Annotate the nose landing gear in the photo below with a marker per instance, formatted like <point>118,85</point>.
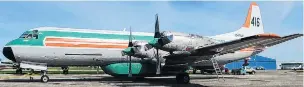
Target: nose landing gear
<point>44,78</point>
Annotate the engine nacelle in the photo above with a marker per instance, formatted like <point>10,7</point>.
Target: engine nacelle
<point>140,49</point>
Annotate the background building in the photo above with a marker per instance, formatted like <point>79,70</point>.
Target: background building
<point>255,61</point>
<point>289,66</point>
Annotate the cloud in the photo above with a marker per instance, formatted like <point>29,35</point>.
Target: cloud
<point>288,6</point>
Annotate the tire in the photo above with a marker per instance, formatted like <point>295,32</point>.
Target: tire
<point>183,78</point>
<point>44,78</point>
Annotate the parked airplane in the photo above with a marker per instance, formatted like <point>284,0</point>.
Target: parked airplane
<point>153,54</point>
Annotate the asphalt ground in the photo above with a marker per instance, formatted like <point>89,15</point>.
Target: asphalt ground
<point>275,78</point>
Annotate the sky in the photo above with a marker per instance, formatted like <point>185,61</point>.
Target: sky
<point>195,17</point>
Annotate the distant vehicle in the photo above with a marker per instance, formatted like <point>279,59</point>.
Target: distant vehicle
<point>243,70</point>
<point>300,67</point>
<point>249,70</point>
<point>260,68</point>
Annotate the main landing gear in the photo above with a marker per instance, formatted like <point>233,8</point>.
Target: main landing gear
<point>44,78</point>
<point>183,78</point>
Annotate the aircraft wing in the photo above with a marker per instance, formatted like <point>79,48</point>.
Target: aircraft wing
<point>281,40</point>
<point>235,45</point>
<point>205,53</point>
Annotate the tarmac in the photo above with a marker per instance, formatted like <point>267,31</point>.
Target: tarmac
<point>275,78</point>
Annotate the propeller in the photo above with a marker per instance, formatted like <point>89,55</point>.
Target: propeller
<point>157,42</point>
<point>160,39</point>
<point>130,56</point>
<point>130,52</point>
<point>156,32</point>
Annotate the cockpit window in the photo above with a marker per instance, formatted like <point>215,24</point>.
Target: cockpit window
<point>35,36</point>
<point>23,35</point>
<point>29,36</point>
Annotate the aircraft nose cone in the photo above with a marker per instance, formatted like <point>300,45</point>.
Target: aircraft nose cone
<point>8,53</point>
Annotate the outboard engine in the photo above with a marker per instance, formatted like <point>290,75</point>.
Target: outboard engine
<point>168,36</point>
<point>164,38</point>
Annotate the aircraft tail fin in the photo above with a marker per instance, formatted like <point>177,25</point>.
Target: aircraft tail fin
<point>253,25</point>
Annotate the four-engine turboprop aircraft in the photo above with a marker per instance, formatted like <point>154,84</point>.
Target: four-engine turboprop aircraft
<point>153,54</point>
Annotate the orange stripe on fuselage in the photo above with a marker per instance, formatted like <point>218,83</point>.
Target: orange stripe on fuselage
<point>85,45</point>
<point>80,40</point>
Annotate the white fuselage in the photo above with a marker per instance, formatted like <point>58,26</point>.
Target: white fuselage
<point>86,56</point>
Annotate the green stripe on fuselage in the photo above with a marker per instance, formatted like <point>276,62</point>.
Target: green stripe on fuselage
<point>43,34</point>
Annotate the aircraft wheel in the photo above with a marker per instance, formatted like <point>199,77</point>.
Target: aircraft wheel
<point>44,78</point>
<point>183,78</point>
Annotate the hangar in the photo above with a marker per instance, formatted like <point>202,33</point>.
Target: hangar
<point>255,61</point>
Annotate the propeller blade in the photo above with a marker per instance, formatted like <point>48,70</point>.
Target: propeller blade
<point>156,32</point>
<point>131,49</point>
<point>157,35</point>
<point>158,63</point>
<point>130,67</point>
<point>130,38</point>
